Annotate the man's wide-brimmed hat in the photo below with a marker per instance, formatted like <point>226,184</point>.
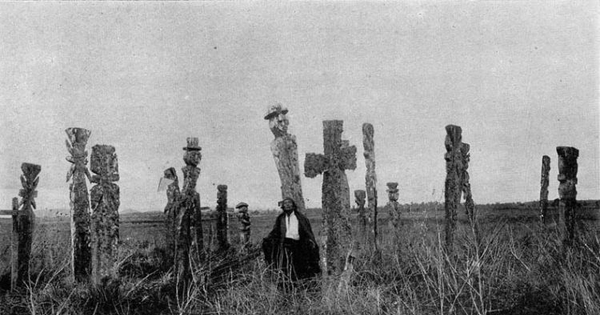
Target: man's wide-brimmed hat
<point>241,204</point>
<point>275,110</point>
<point>192,144</point>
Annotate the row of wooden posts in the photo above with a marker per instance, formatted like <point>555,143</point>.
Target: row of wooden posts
<point>94,234</point>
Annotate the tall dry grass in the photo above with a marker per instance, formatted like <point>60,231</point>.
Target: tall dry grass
<point>513,268</point>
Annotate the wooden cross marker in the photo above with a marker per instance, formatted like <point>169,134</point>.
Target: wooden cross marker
<point>105,201</point>
<point>338,156</point>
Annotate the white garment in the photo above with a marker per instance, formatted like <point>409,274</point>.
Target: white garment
<point>291,227</point>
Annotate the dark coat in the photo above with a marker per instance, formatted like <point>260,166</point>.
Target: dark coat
<point>306,253</point>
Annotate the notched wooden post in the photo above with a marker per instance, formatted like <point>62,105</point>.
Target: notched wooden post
<point>105,202</point>
<point>453,184</point>
<point>567,176</point>
<point>285,154</point>
<point>23,225</point>
<point>371,182</point>
<point>545,181</point>
<point>338,156</point>
<point>81,255</point>
<point>222,219</point>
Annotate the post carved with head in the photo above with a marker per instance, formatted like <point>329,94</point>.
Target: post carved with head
<point>393,205</point>
<point>105,202</point>
<point>338,156</point>
<point>567,176</point>
<point>81,255</point>
<point>285,154</point>
<point>23,224</point>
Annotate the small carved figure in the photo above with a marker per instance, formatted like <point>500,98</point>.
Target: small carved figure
<point>244,219</point>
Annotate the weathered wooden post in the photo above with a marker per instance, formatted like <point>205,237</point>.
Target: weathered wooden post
<point>188,208</point>
<point>171,209</point>
<point>81,255</point>
<point>244,220</point>
<point>105,201</point>
<point>285,154</point>
<point>23,224</point>
<point>453,184</point>
<point>567,176</point>
<point>359,196</point>
<point>393,205</point>
<point>371,182</point>
<point>338,157</point>
<point>222,220</point>
<point>466,190</point>
<point>544,190</point>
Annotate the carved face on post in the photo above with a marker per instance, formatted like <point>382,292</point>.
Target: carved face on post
<point>278,121</point>
<point>192,155</point>
<point>104,162</point>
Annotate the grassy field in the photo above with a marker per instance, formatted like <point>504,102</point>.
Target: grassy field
<point>518,267</point>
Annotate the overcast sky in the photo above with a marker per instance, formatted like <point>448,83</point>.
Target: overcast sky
<point>519,78</point>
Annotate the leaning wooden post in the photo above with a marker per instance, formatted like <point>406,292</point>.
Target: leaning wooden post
<point>285,154</point>
<point>371,182</point>
<point>338,157</point>
<point>81,255</point>
<point>105,201</point>
<point>360,196</point>
<point>544,190</point>
<point>567,176</point>
<point>23,224</point>
<point>222,220</point>
<point>453,184</point>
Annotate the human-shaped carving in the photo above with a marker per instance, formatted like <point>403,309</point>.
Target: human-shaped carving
<point>105,202</point>
<point>244,219</point>
<point>285,154</point>
<point>25,222</point>
<point>81,255</point>
<point>189,208</point>
<point>393,205</point>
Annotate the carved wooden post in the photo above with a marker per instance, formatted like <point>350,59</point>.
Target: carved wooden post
<point>393,205</point>
<point>222,236</point>
<point>453,184</point>
<point>171,209</point>
<point>105,201</point>
<point>244,220</point>
<point>567,176</point>
<point>285,154</point>
<point>360,196</point>
<point>23,224</point>
<point>544,190</point>
<point>371,182</point>
<point>338,157</point>
<point>81,255</point>
<point>466,190</point>
<point>189,208</point>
